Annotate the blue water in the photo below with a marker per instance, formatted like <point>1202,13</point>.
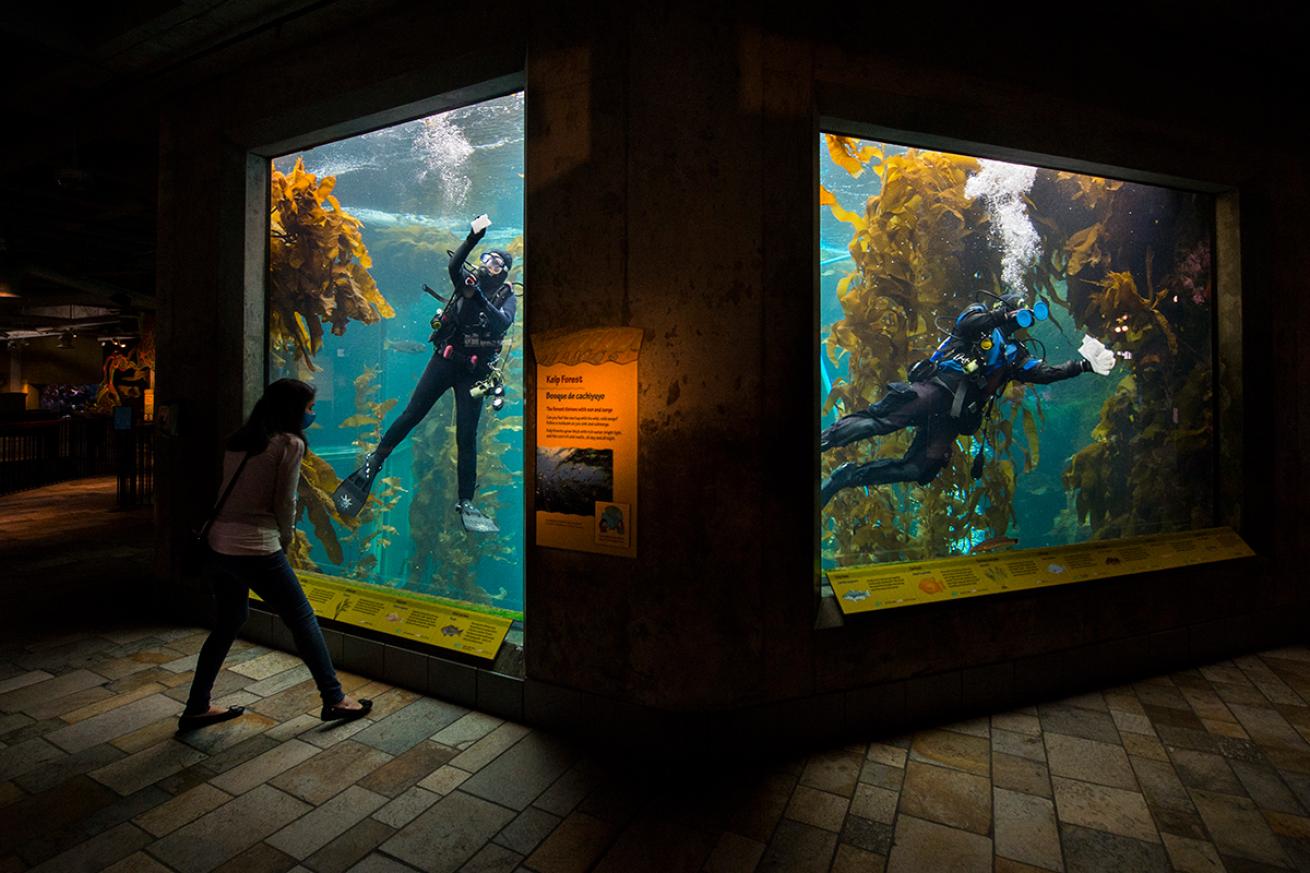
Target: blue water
<point>1069,410</point>
<point>412,185</point>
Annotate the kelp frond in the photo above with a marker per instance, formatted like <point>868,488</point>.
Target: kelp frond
<point>318,271</point>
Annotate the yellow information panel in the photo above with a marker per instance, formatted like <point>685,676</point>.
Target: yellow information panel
<point>404,615</point>
<point>887,586</point>
<point>586,460</point>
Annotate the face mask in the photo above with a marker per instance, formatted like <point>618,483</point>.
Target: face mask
<point>307,420</point>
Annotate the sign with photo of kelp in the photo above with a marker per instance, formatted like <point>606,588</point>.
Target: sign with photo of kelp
<point>586,478</point>
<point>1011,357</point>
<point>572,480</point>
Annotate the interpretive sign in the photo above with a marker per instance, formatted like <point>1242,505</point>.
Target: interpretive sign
<point>410,616</point>
<point>586,459</point>
<point>887,586</point>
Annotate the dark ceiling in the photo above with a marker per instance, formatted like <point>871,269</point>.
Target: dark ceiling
<point>83,91</point>
<point>79,171</point>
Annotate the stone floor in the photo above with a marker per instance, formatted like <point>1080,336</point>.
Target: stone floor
<point>1202,770</point>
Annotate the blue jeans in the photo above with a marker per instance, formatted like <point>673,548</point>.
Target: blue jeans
<point>272,579</point>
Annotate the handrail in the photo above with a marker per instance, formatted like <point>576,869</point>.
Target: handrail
<point>34,453</point>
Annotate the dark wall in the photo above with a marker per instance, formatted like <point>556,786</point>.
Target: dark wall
<point>670,175</point>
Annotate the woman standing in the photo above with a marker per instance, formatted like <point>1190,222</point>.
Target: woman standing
<point>249,538</point>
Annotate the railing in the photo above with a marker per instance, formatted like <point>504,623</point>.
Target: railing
<point>135,465</point>
<point>34,453</point>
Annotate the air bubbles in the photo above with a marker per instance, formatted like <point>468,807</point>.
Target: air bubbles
<point>1002,187</point>
<point>443,149</point>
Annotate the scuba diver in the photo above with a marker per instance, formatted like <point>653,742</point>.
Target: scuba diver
<point>949,393</point>
<point>467,335</point>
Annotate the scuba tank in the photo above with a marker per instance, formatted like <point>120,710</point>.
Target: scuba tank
<point>445,322</point>
<point>494,383</point>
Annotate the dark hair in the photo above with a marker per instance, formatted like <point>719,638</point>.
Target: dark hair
<point>280,410</point>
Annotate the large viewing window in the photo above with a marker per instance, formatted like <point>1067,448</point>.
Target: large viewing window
<point>1011,358</point>
<point>362,304</point>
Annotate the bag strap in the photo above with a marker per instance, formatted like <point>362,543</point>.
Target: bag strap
<point>218,507</point>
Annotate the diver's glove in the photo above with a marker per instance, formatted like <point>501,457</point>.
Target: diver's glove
<point>498,317</point>
<point>480,224</point>
<point>1098,356</point>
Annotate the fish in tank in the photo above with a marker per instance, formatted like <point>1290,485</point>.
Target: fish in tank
<point>395,286</point>
<point>1010,356</point>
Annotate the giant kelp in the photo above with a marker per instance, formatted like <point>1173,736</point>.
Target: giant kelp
<point>314,501</point>
<point>318,266</point>
<point>369,412</point>
<point>318,480</point>
<point>373,524</point>
<point>445,556</point>
<point>1149,464</point>
<point>318,273</point>
<point>920,251</point>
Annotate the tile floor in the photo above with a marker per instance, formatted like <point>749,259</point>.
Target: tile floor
<point>1201,770</point>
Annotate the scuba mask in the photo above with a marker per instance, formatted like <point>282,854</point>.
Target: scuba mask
<point>1023,316</point>
<point>1040,312</point>
<point>495,264</point>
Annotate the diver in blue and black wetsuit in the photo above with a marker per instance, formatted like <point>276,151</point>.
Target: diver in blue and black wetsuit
<point>949,394</point>
<point>467,334</point>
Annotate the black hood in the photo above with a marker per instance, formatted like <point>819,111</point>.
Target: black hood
<point>489,283</point>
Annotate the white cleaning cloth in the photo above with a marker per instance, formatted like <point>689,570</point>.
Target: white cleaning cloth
<point>1101,358</point>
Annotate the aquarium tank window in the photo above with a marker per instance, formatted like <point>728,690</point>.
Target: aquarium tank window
<point>413,483</point>
<point>1010,356</point>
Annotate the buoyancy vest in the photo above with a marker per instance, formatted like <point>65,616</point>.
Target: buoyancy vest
<point>464,324</point>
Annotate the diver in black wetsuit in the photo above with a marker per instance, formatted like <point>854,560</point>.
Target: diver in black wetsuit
<point>467,336</point>
<point>950,392</point>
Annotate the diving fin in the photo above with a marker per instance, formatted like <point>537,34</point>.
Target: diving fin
<point>473,519</point>
<point>842,477</point>
<point>352,493</point>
